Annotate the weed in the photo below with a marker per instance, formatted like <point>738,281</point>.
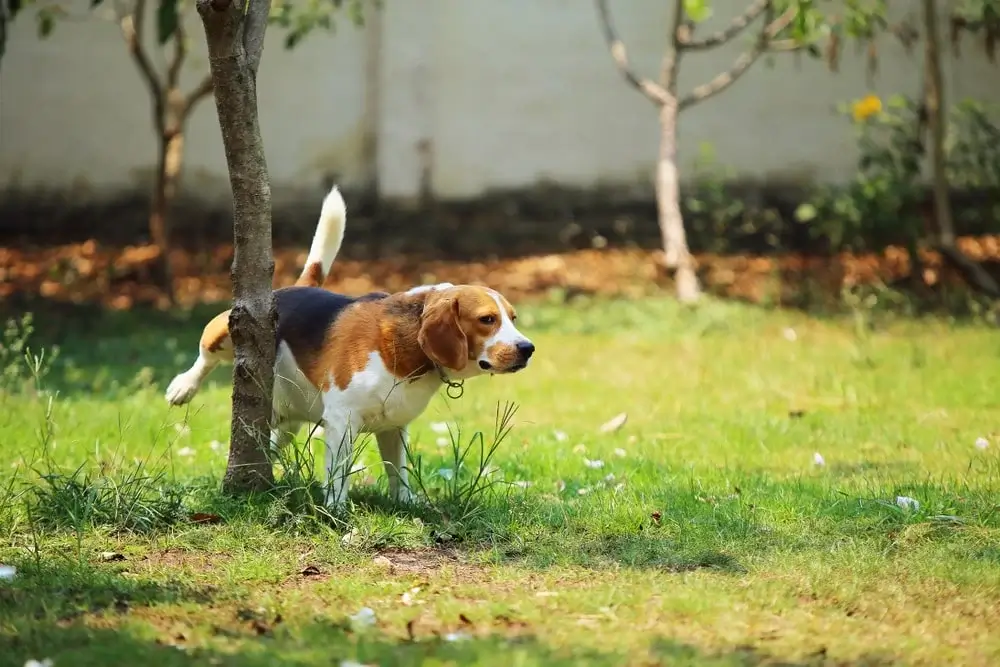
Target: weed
<point>457,490</point>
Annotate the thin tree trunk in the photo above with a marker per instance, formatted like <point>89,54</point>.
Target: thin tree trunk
<point>974,275</point>
<point>668,200</point>
<point>171,157</point>
<point>935,106</point>
<point>235,43</point>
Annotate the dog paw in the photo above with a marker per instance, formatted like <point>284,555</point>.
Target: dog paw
<point>181,390</point>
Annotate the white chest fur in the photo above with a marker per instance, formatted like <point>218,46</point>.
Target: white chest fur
<point>376,400</point>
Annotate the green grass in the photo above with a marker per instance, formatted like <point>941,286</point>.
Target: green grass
<point>707,535</point>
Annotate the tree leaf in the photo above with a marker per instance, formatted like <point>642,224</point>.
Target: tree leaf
<point>697,10</point>
<point>46,22</point>
<point>166,20</point>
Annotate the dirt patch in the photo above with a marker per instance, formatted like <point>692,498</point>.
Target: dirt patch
<point>420,561</point>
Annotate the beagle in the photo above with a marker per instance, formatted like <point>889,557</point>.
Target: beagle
<point>367,364</point>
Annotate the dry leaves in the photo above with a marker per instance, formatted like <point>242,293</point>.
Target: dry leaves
<point>121,277</point>
<point>615,423</point>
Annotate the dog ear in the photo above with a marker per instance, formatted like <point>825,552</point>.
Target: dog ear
<point>440,337</point>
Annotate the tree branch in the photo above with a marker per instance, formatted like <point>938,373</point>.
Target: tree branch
<point>739,68</point>
<point>131,25</point>
<point>649,88</point>
<point>203,90</point>
<point>180,53</point>
<point>680,30</point>
<point>735,27</point>
<point>254,27</point>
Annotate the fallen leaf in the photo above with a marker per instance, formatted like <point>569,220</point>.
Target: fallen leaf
<point>796,414</point>
<point>656,516</point>
<point>615,423</point>
<point>382,561</point>
<point>260,627</point>
<point>464,619</point>
<point>204,517</point>
<point>310,571</point>
<point>111,556</point>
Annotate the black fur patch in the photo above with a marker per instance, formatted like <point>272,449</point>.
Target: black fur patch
<point>305,314</point>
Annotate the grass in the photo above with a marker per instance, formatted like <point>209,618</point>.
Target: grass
<point>702,532</point>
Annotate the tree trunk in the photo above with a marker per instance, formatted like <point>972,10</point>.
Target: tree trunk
<point>171,157</point>
<point>668,200</point>
<point>234,43</point>
<point>936,122</point>
<point>974,275</point>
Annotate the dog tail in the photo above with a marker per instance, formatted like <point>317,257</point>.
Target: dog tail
<point>326,241</point>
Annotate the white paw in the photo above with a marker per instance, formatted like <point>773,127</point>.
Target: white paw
<point>403,495</point>
<point>181,389</point>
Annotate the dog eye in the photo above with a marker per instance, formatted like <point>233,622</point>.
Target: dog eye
<point>488,319</point>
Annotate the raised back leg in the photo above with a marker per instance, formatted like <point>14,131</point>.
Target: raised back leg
<point>215,348</point>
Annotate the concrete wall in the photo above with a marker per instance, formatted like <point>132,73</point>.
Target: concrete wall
<point>471,94</point>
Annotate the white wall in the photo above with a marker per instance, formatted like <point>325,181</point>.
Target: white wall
<point>503,93</point>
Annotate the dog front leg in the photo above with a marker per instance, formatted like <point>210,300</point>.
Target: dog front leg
<point>339,431</point>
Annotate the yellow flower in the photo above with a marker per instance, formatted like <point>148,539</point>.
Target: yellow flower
<point>866,107</point>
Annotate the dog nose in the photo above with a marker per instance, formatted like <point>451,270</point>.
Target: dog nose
<point>525,348</point>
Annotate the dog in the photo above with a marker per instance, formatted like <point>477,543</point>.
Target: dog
<point>366,364</point>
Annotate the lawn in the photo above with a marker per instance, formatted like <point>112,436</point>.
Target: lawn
<point>786,490</point>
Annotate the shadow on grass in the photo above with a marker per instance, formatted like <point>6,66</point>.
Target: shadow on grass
<point>58,592</point>
<point>326,643</point>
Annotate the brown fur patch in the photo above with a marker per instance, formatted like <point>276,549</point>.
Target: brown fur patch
<point>311,276</point>
<point>215,336</point>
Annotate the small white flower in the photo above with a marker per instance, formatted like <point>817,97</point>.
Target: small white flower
<point>789,334</point>
<point>456,636</point>
<point>579,449</point>
<point>215,445</point>
<point>409,597</point>
<point>818,459</point>
<point>908,503</point>
<point>593,463</point>
<point>560,436</point>
<point>182,429</point>
<point>352,663</point>
<point>584,491</point>
<point>185,451</point>
<point>358,467</point>
<point>35,663</point>
<point>365,617</point>
<point>7,572</point>
<point>439,427</point>
<point>443,442</point>
<point>982,444</point>
<point>619,452</point>
<point>619,487</point>
<point>610,477</point>
<point>446,473</point>
<point>521,483</point>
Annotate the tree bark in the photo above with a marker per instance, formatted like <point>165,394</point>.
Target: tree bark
<point>668,203</point>
<point>235,45</point>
